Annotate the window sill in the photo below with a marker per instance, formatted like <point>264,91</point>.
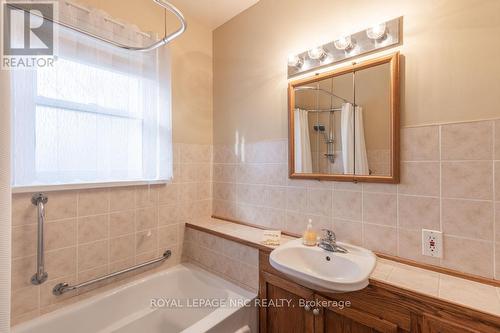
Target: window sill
<point>83,186</point>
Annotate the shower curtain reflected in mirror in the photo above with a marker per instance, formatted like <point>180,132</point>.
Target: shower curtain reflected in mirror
<point>354,157</point>
<point>302,146</point>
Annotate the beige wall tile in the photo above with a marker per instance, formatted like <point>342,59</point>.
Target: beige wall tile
<point>121,223</point>
<point>168,236</point>
<point>93,202</point>
<point>251,174</point>
<point>380,238</point>
<point>188,192</point>
<point>168,193</point>
<point>346,186</point>
<point>467,180</point>
<point>347,205</point>
<point>169,214</point>
<point>23,211</point>
<point>94,254</point>
<point>276,197</point>
<point>348,231</point>
<point>469,256</point>
<point>497,221</point>
<point>380,208</point>
<point>420,143</point>
<point>497,261</point>
<point>251,194</point>
<point>21,272</point>
<point>146,218</point>
<point>60,234</point>
<point>146,241</point>
<point>224,173</point>
<point>121,248</point>
<point>24,240</point>
<point>146,196</point>
<point>92,228</point>
<point>467,141</point>
<point>419,178</point>
<point>296,199</point>
<point>466,218</point>
<point>320,202</point>
<point>419,212</point>
<point>61,205</point>
<point>497,139</point>
<point>380,188</point>
<point>224,191</point>
<point>203,191</point>
<point>25,300</point>
<point>121,198</point>
<point>61,262</point>
<point>497,178</point>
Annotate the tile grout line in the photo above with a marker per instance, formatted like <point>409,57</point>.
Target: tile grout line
<point>493,135</point>
<point>440,131</point>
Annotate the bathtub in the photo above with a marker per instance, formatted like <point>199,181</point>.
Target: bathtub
<point>184,298</point>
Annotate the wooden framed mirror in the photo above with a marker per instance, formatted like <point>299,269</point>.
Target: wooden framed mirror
<point>344,124</point>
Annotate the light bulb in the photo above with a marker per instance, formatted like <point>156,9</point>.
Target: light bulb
<point>344,43</point>
<point>377,32</point>
<point>295,61</point>
<point>316,53</point>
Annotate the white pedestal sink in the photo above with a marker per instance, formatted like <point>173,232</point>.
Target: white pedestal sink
<point>323,270</point>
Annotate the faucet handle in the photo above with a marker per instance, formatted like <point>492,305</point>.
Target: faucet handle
<point>329,235</point>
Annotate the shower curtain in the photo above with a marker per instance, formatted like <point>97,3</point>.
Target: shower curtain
<point>352,132</point>
<point>302,143</point>
<point>5,203</point>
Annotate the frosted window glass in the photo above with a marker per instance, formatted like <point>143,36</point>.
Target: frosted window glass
<point>99,115</point>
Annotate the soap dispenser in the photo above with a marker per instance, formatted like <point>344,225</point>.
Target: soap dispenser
<point>309,238</point>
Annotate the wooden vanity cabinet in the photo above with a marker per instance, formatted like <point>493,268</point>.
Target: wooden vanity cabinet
<point>377,308</point>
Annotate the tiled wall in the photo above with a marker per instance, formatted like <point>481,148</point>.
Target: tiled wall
<point>448,183</point>
<point>90,233</point>
<point>233,261</point>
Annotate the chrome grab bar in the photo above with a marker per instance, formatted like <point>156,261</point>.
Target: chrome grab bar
<point>62,288</point>
<point>164,41</point>
<point>40,200</point>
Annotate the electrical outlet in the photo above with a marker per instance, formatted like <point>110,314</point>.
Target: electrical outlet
<point>432,243</point>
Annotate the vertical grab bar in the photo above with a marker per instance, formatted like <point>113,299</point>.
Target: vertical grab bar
<point>39,200</point>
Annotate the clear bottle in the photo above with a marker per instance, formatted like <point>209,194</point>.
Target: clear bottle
<point>309,238</point>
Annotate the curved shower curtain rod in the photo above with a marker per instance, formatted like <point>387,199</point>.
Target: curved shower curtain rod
<point>164,41</point>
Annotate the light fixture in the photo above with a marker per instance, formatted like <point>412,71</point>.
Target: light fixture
<point>295,61</point>
<point>377,32</point>
<point>371,39</point>
<point>345,43</point>
<point>317,53</point>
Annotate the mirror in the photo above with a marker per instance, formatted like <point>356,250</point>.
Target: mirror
<point>344,125</point>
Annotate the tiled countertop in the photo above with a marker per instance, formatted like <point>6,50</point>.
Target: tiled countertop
<point>475,295</point>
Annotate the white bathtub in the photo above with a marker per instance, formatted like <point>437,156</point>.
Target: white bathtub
<point>128,309</point>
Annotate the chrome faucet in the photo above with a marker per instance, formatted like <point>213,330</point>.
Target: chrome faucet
<point>328,242</point>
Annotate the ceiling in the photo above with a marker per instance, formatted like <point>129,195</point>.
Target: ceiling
<point>213,13</point>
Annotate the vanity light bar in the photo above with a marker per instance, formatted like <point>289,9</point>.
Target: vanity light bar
<point>378,37</point>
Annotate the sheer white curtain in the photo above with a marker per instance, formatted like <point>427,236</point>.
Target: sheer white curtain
<point>302,144</point>
<point>101,114</point>
<point>352,132</point>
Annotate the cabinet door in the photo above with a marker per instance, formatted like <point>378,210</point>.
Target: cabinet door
<point>331,319</point>
<point>286,317</point>
<point>431,324</point>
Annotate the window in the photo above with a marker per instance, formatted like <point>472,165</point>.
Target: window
<point>99,115</point>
